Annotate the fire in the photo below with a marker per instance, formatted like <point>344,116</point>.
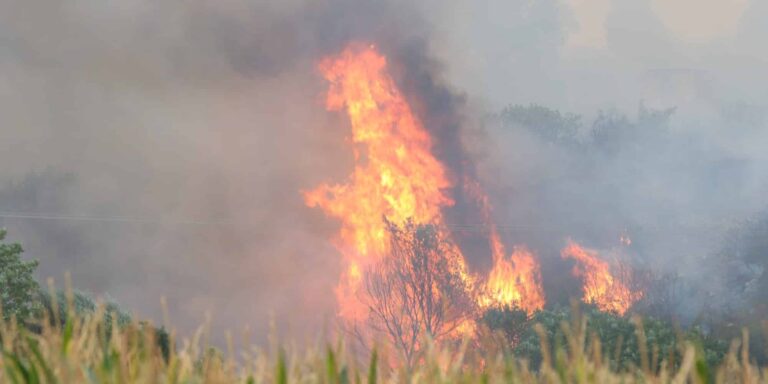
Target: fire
<point>600,286</point>
<point>395,177</point>
<point>513,282</point>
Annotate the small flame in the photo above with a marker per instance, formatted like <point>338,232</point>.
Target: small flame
<point>600,286</point>
<point>514,281</point>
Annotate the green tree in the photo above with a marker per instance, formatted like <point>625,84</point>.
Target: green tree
<point>18,287</point>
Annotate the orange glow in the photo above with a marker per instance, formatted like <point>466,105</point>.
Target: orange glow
<point>395,175</point>
<point>600,286</point>
<point>513,281</point>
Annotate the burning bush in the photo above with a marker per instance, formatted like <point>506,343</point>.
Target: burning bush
<point>605,288</point>
<point>415,291</point>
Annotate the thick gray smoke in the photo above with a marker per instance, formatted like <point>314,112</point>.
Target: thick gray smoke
<point>162,146</point>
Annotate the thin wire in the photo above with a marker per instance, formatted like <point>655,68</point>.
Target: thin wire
<point>481,228</point>
<point>114,219</point>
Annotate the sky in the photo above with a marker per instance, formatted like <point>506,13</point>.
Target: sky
<point>188,129</point>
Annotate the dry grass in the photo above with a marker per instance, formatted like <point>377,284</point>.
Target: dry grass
<point>86,350</point>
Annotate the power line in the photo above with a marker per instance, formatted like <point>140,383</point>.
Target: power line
<point>478,227</point>
<point>114,219</point>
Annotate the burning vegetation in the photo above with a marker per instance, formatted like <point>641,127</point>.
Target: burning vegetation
<point>601,286</point>
<point>404,273</point>
<point>396,177</point>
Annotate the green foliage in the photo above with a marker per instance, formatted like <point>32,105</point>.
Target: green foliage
<point>18,286</point>
<point>82,304</point>
<point>622,341</point>
<point>529,345</point>
<point>372,367</point>
<point>511,322</point>
<point>23,299</point>
<point>163,340</point>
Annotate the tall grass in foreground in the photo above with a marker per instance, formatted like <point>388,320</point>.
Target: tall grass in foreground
<point>88,349</point>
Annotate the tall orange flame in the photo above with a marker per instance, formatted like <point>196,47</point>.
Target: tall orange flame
<point>395,176</point>
<point>600,286</point>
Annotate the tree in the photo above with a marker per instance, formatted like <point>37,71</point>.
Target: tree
<point>18,287</point>
<point>416,290</point>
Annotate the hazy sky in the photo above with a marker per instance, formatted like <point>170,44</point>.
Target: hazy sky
<point>691,21</point>
<point>585,55</point>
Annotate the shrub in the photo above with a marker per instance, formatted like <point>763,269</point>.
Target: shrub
<point>512,323</point>
<point>622,342</point>
<point>18,286</point>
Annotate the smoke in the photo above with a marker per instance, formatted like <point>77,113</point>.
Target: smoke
<point>190,129</point>
<point>675,185</point>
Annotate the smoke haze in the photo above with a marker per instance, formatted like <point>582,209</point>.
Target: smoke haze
<point>189,129</point>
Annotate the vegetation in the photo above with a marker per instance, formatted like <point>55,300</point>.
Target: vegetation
<point>25,301</point>
<point>619,336</point>
<point>416,299</point>
<point>744,259</point>
<point>29,308</point>
<point>18,286</point>
<point>416,291</point>
<point>742,263</point>
<point>81,352</point>
<point>608,132</point>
